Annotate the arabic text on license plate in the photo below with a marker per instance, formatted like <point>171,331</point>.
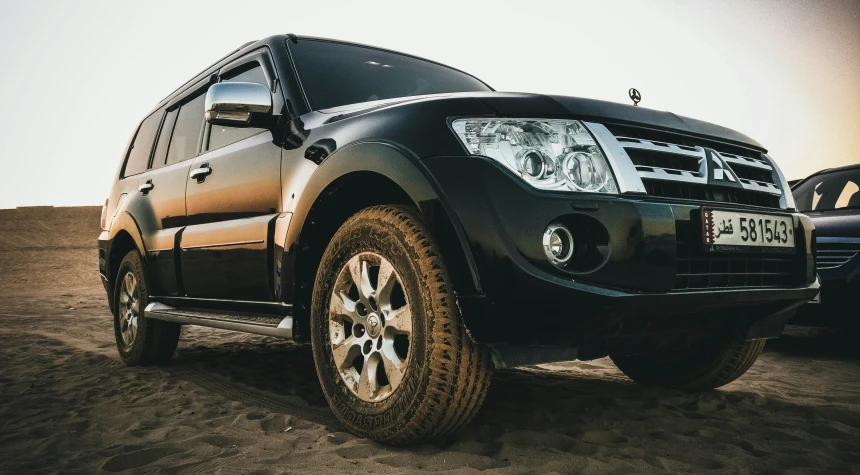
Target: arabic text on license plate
<point>742,231</point>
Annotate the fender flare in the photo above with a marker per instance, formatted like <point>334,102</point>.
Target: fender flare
<point>124,221</point>
<point>405,170</point>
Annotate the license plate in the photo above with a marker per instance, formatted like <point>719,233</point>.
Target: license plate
<point>746,232</point>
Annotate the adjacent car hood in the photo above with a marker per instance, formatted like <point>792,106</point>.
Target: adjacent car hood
<point>839,223</point>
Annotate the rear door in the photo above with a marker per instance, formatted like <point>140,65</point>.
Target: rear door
<point>177,143</point>
<point>226,249</point>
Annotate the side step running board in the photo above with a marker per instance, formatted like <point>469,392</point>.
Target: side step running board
<point>259,324</point>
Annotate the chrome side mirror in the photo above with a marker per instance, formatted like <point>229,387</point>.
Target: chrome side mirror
<point>233,103</point>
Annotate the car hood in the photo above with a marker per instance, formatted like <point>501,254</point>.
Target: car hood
<point>837,223</point>
<point>538,105</point>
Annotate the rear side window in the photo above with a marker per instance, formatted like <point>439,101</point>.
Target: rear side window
<point>160,155</point>
<point>335,74</point>
<point>186,132</point>
<point>221,135</point>
<point>138,156</point>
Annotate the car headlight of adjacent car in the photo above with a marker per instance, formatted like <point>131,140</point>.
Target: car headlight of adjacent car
<point>549,154</point>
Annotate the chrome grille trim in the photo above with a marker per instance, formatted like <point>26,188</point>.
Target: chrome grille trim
<point>745,161</point>
<point>670,174</point>
<point>787,199</point>
<point>625,173</point>
<point>753,185</point>
<point>760,177</point>
<point>627,142</point>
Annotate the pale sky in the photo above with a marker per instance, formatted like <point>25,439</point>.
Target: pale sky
<point>77,77</point>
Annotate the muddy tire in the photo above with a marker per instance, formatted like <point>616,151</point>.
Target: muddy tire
<point>701,367</point>
<point>140,341</point>
<point>392,354</point>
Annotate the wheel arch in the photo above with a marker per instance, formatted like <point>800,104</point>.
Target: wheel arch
<point>124,236</point>
<point>338,189</point>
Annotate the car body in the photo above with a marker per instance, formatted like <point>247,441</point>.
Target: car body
<point>831,198</point>
<point>240,218</point>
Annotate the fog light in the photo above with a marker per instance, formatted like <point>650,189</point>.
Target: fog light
<point>557,244</point>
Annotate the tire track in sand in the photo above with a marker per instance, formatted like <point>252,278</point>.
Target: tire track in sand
<point>221,386</point>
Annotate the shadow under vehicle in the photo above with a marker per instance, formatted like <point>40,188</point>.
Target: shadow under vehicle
<point>831,198</point>
<point>420,229</point>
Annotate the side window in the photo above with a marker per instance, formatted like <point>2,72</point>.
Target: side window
<point>138,156</point>
<point>186,132</point>
<point>849,196</point>
<point>160,155</point>
<point>221,135</point>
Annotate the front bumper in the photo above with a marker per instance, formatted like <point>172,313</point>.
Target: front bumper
<point>525,299</point>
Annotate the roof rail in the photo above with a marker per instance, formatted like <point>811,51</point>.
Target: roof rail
<point>207,67</point>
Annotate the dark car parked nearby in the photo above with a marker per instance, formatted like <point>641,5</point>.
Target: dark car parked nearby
<point>420,229</point>
<point>832,199</point>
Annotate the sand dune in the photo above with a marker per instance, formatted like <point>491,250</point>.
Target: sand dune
<point>233,403</point>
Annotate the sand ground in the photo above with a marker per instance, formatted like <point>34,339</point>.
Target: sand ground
<point>233,403</point>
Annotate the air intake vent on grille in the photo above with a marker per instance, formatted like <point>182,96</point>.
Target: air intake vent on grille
<point>678,166</point>
<point>831,255</point>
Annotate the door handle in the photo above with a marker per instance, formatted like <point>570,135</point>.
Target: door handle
<point>200,173</point>
<point>144,188</point>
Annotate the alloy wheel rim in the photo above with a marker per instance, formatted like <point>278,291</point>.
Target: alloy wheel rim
<point>370,327</point>
<point>129,309</point>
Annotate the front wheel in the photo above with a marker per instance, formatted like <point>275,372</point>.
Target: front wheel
<point>393,357</point>
<point>708,365</point>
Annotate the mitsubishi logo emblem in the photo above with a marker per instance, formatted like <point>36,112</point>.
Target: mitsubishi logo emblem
<point>374,325</point>
<point>634,95</point>
<point>721,172</point>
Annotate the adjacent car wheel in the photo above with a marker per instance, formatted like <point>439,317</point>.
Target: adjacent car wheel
<point>708,365</point>
<point>140,341</point>
<point>392,354</point>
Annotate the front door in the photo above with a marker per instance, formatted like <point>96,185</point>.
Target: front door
<point>233,196</point>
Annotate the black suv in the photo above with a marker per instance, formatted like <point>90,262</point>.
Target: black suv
<point>832,199</point>
<point>421,229</point>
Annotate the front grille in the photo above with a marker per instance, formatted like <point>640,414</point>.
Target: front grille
<point>671,189</point>
<point>659,159</point>
<point>697,269</point>
<point>678,166</point>
<point>831,255</point>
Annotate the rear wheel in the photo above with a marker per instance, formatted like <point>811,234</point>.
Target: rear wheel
<point>140,341</point>
<point>393,357</point>
<point>708,365</point>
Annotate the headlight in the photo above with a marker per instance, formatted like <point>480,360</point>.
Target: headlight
<point>550,154</point>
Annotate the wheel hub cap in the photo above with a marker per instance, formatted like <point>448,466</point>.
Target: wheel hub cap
<point>370,327</point>
<point>374,326</point>
<point>129,309</point>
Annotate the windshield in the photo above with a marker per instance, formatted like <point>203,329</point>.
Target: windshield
<point>829,191</point>
<point>336,74</point>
